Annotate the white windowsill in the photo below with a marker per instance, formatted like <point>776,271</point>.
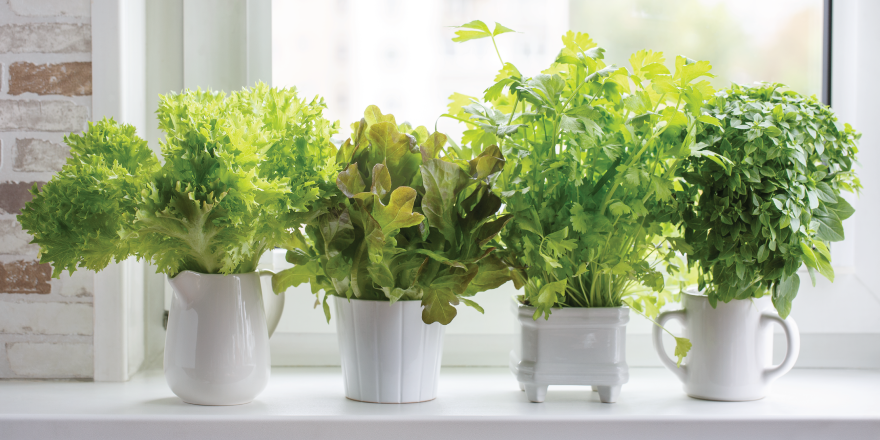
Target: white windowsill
<point>480,403</point>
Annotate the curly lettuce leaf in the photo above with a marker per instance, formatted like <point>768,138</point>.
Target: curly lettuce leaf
<point>239,172</point>
<point>80,218</point>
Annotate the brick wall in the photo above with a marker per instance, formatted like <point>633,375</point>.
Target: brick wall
<point>46,325</point>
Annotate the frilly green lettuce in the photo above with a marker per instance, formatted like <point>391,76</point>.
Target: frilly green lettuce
<point>236,169</point>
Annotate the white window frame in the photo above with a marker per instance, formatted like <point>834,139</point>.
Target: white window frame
<point>118,41</point>
<point>128,72</point>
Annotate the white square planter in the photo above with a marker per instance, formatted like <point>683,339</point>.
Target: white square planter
<point>576,346</point>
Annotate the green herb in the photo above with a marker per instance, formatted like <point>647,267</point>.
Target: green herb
<point>236,169</point>
<point>593,153</point>
<point>749,226</point>
<point>407,223</point>
<point>476,30</point>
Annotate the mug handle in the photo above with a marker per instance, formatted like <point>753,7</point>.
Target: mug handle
<point>680,371</point>
<point>793,339</point>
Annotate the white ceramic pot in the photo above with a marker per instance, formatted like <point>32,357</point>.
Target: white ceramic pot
<point>388,354</point>
<point>217,343</point>
<point>575,346</point>
<point>732,353</point>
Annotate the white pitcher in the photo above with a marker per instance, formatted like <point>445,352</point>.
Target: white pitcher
<point>217,342</point>
<point>732,353</point>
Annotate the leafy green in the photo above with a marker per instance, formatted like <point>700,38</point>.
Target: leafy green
<point>593,151</point>
<point>477,29</point>
<point>775,202</point>
<point>406,223</point>
<point>76,217</point>
<point>236,170</point>
<point>682,347</point>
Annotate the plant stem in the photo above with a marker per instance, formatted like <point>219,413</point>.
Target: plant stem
<point>497,52</point>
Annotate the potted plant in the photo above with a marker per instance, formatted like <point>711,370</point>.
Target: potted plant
<point>750,223</point>
<point>236,168</point>
<point>593,152</point>
<point>406,237</point>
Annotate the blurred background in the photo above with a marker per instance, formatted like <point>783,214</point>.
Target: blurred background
<point>399,54</point>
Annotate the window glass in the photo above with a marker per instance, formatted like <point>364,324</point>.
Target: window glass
<point>745,40</point>
<point>399,55</point>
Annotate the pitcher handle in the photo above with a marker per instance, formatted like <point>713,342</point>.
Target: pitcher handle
<point>662,319</point>
<point>793,339</point>
<point>273,308</point>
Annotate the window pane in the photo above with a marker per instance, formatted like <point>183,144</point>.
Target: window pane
<point>745,40</point>
<point>398,55</point>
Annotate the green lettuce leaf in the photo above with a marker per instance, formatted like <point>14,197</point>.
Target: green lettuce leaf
<point>238,171</point>
<point>423,224</point>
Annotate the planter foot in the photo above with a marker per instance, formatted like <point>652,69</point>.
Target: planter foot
<point>608,394</point>
<point>536,393</point>
<point>595,388</point>
<point>522,386</point>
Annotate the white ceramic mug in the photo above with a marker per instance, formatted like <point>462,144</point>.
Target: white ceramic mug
<point>217,343</point>
<point>732,353</point>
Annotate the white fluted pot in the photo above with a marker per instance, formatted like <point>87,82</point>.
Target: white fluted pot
<point>217,343</point>
<point>388,354</point>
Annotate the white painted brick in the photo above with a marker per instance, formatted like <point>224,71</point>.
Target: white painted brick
<point>46,318</point>
<point>51,8</point>
<point>80,284</point>
<point>63,116</point>
<point>38,155</point>
<point>15,241</point>
<point>51,360</point>
<point>45,38</point>
<point>33,324</point>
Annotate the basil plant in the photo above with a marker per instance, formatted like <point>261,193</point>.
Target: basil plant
<point>776,204</point>
<point>407,223</point>
<point>235,167</point>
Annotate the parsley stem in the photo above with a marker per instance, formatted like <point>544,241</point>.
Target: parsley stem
<point>497,52</point>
